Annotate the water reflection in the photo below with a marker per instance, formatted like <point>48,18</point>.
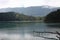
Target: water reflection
<point>24,30</point>
<point>14,24</point>
<point>19,30</point>
<point>56,25</point>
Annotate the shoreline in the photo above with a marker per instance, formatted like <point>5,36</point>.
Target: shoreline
<point>21,21</point>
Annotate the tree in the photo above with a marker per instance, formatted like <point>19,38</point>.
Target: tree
<point>53,16</point>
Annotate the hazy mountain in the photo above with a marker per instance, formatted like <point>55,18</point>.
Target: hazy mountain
<point>32,11</point>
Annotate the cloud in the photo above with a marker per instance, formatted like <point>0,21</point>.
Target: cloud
<point>10,3</point>
<point>27,3</point>
<point>33,3</point>
<point>55,3</point>
<point>3,2</point>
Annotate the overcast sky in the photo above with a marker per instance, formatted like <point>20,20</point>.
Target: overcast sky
<point>27,3</point>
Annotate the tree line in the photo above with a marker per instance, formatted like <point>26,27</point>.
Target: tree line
<point>13,16</point>
<point>53,17</point>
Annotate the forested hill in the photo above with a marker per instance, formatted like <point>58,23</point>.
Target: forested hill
<point>13,16</point>
<point>53,17</point>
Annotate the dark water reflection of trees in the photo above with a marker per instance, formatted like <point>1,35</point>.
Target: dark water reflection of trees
<point>53,25</point>
<point>14,24</point>
<point>29,26</point>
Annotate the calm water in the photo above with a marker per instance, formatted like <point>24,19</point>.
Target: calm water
<point>24,31</point>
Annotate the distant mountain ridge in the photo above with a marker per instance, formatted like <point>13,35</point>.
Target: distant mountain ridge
<point>31,11</point>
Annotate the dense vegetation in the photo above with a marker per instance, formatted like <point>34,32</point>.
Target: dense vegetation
<point>13,16</point>
<point>53,16</point>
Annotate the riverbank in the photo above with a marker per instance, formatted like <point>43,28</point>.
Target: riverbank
<point>22,21</point>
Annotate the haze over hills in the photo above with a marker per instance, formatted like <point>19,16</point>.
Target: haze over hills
<point>31,11</point>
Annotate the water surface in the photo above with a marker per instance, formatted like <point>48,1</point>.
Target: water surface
<point>24,30</point>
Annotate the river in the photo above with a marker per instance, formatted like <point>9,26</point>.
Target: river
<point>24,30</point>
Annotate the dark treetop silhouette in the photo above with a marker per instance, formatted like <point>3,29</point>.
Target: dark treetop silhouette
<point>53,17</point>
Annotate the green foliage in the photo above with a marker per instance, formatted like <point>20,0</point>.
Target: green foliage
<point>8,16</point>
<point>13,16</point>
<point>53,16</point>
